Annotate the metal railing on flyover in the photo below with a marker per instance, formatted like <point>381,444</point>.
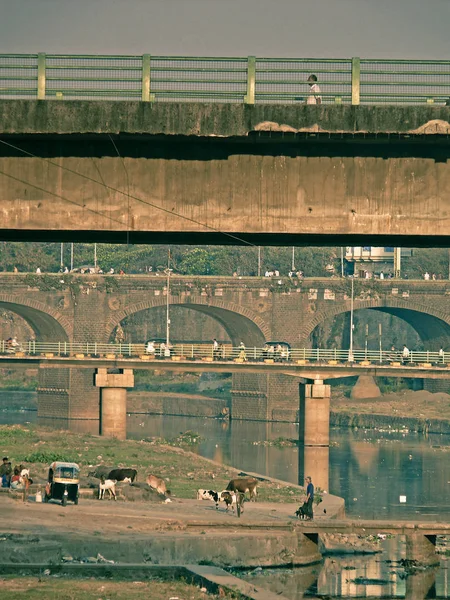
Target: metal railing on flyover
<point>247,80</point>
<point>225,352</point>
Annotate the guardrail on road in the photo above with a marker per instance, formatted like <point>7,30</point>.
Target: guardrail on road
<point>249,79</point>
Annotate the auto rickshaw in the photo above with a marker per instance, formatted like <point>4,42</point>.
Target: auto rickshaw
<point>63,482</point>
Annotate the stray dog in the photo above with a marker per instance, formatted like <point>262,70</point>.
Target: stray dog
<point>302,512</point>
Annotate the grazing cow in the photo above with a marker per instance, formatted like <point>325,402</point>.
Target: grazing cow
<point>100,471</point>
<point>208,495</point>
<point>158,484</point>
<point>107,484</point>
<point>122,474</point>
<point>230,498</point>
<point>243,485</point>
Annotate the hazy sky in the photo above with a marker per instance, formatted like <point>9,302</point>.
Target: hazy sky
<point>290,28</point>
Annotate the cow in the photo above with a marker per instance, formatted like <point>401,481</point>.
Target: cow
<point>100,471</point>
<point>122,474</point>
<point>230,498</point>
<point>158,484</point>
<point>243,485</point>
<point>208,495</point>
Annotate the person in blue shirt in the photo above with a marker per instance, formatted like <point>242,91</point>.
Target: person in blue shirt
<point>309,498</point>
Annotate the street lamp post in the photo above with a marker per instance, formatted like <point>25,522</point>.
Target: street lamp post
<point>95,256</point>
<point>350,352</point>
<point>380,342</point>
<point>62,257</point>
<point>71,257</point>
<point>293,258</point>
<point>259,261</point>
<point>168,303</point>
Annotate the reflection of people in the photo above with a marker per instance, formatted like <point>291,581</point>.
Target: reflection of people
<point>309,498</point>
<point>314,91</point>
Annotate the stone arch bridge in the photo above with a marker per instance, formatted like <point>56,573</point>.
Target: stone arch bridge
<point>83,308</point>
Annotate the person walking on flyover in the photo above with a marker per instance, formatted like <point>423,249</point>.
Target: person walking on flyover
<point>314,96</point>
<point>309,498</point>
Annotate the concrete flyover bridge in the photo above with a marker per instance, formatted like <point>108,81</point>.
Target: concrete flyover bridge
<point>235,156</point>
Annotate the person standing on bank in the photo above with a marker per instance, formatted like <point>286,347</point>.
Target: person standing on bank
<point>314,96</point>
<point>309,498</point>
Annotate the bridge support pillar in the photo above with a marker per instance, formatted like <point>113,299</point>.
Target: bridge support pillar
<point>422,548</point>
<point>314,433</point>
<point>113,401</point>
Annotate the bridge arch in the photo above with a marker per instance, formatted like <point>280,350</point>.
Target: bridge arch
<point>46,322</point>
<point>429,322</point>
<point>239,322</point>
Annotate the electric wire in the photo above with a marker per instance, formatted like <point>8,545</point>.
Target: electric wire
<point>118,191</point>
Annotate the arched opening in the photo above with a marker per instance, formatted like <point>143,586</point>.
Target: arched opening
<point>199,322</point>
<point>392,326</point>
<point>31,321</point>
<point>211,319</point>
<point>386,326</point>
<point>45,326</point>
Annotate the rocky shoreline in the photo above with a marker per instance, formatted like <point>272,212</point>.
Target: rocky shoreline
<point>389,422</point>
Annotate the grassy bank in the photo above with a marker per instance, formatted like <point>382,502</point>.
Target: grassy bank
<point>173,459</point>
<point>37,588</point>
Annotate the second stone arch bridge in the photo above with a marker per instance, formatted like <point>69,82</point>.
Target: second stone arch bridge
<point>82,308</point>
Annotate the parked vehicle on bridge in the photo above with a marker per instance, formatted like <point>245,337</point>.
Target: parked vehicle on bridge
<point>63,483</point>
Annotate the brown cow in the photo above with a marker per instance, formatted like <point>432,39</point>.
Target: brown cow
<point>158,484</point>
<point>244,484</point>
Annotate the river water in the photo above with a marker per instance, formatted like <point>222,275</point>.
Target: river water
<point>370,469</point>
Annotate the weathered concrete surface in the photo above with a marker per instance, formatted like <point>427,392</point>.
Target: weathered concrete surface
<point>201,119</point>
<point>200,201</point>
<point>365,387</point>
<point>196,170</point>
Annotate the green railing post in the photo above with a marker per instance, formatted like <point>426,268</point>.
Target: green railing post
<point>146,96</point>
<point>356,80</point>
<point>251,80</point>
<point>41,76</point>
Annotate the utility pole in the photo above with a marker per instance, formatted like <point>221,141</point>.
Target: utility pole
<point>71,256</point>
<point>168,302</point>
<point>397,262</point>
<point>350,352</point>
<point>62,256</point>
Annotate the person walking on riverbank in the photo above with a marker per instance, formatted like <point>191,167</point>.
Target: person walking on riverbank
<point>309,498</point>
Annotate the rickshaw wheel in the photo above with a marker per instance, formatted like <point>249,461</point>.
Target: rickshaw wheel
<point>76,501</point>
<point>64,501</point>
<point>45,499</point>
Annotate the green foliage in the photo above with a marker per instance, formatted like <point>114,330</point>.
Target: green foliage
<point>47,457</point>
